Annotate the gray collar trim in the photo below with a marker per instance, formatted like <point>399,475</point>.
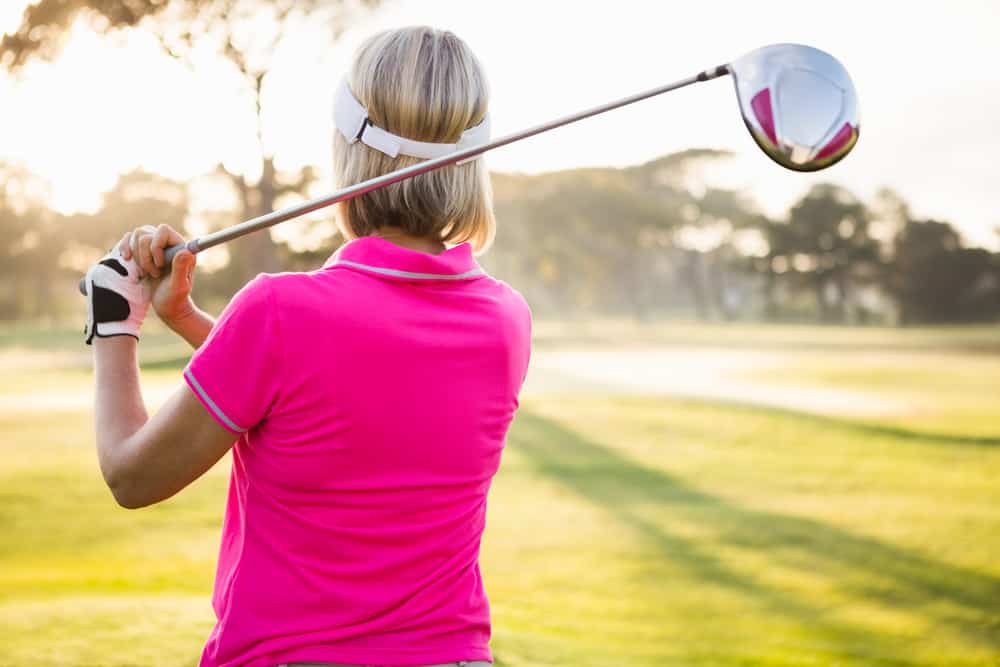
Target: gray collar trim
<point>410,274</point>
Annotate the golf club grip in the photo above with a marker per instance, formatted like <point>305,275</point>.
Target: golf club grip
<point>168,260</point>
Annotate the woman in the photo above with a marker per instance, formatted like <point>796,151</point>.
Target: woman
<point>366,403</point>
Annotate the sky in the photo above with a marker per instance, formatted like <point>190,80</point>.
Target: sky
<point>926,77</point>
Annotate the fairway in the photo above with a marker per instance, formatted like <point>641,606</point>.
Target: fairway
<point>627,526</point>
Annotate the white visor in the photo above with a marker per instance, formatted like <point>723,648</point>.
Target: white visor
<point>352,121</point>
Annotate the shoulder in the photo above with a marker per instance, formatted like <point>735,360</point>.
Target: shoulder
<point>514,309</point>
<point>305,296</point>
<point>513,299</point>
<point>253,299</point>
<point>290,287</point>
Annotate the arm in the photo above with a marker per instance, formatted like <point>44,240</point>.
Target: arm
<point>147,460</point>
<point>193,325</point>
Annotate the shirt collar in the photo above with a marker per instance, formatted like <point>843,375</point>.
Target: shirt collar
<point>377,256</point>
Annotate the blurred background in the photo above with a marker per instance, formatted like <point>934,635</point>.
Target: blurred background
<point>762,424</point>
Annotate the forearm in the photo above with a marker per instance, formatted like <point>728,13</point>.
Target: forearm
<point>119,410</point>
<point>193,326</point>
<point>147,460</point>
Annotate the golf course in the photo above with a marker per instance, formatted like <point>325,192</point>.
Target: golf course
<point>669,495</point>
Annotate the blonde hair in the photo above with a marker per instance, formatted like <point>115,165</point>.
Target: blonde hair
<point>427,85</point>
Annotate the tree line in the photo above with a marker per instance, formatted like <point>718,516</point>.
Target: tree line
<point>631,242</point>
<point>638,242</point>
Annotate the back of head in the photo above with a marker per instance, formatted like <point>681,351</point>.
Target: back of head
<point>426,85</point>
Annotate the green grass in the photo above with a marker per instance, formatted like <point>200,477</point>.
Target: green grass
<point>948,391</point>
<point>623,530</point>
<point>679,533</point>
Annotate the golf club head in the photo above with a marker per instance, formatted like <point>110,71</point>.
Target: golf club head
<point>799,104</point>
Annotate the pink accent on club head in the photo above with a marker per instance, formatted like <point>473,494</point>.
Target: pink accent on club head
<point>761,105</point>
<point>842,138</point>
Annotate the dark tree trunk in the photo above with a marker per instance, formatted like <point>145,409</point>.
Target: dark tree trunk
<point>255,253</point>
<point>635,285</point>
<point>822,309</point>
<point>843,295</point>
<point>719,274</point>
<point>770,300</point>
<point>699,291</point>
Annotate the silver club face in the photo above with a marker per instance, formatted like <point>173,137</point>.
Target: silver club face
<point>799,104</point>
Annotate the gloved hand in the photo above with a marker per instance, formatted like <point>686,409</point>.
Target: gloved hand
<point>117,300</point>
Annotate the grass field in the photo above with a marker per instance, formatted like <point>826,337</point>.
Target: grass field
<point>625,529</point>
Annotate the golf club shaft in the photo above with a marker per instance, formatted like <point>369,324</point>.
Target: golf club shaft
<point>271,219</point>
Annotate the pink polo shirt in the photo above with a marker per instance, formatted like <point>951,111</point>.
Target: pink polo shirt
<point>372,398</point>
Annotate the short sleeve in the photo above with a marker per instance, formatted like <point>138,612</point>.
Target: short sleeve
<point>527,319</point>
<point>235,373</point>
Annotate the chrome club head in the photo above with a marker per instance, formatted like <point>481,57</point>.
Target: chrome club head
<point>799,104</point>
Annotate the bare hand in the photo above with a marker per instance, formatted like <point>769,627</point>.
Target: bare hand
<point>171,292</point>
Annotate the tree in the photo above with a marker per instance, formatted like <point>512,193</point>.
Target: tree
<point>597,239</point>
<point>43,253</point>
<point>935,279</point>
<point>829,243</point>
<point>692,229</point>
<point>137,195</point>
<point>714,267</point>
<point>775,263</point>
<point>245,33</point>
<point>26,230</point>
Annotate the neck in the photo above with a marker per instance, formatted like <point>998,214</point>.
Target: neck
<point>412,242</point>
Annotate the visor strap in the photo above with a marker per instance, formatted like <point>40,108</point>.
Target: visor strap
<point>351,119</point>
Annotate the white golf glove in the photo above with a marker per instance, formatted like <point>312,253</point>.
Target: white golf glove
<point>117,300</point>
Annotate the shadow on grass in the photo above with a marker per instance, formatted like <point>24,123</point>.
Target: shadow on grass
<point>859,426</point>
<point>865,569</point>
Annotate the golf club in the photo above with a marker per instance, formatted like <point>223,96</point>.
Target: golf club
<point>798,103</point>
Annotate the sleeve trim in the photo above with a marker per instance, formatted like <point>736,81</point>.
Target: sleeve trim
<point>210,404</point>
